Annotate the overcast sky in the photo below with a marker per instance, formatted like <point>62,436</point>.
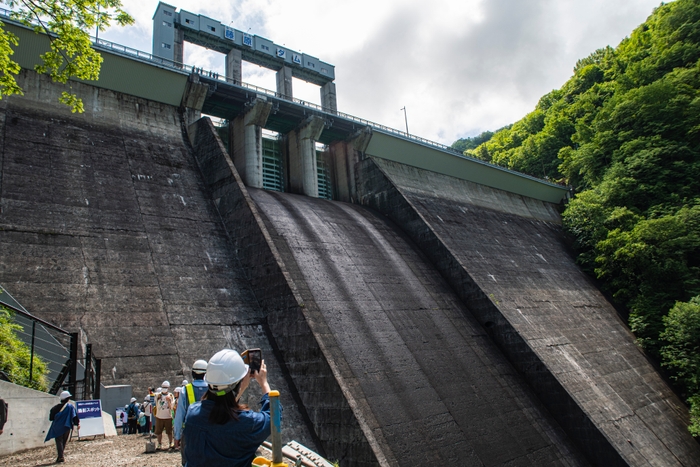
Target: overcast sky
<point>459,67</point>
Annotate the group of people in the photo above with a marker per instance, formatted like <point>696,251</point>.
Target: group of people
<point>204,419</point>
<point>157,407</point>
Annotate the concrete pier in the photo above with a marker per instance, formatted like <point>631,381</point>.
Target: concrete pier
<point>284,82</point>
<point>328,97</point>
<point>303,172</point>
<point>245,139</point>
<point>234,65</point>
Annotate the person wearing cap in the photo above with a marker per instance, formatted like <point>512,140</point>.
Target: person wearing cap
<point>221,432</point>
<point>164,416</point>
<point>132,416</point>
<point>63,417</point>
<point>190,394</point>
<point>146,407</point>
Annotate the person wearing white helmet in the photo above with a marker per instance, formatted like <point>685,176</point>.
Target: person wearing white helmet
<point>63,417</point>
<point>147,411</point>
<point>220,431</point>
<point>132,416</point>
<point>191,393</point>
<point>164,416</point>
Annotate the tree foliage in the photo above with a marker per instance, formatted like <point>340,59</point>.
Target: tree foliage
<point>682,353</point>
<point>471,142</point>
<point>15,355</point>
<point>68,24</point>
<point>624,133</point>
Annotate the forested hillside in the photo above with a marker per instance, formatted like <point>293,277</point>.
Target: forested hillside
<point>624,132</point>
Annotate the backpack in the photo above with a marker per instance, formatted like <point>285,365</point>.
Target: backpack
<point>132,411</point>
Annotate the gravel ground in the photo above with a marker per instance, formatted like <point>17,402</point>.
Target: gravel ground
<point>122,450</point>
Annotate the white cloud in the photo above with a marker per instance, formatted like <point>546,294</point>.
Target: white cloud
<point>459,67</point>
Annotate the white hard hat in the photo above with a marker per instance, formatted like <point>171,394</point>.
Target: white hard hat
<point>166,384</point>
<point>159,390</point>
<point>146,398</point>
<point>199,367</point>
<point>185,382</point>
<point>177,389</point>
<point>65,395</point>
<point>224,370</point>
<point>133,399</point>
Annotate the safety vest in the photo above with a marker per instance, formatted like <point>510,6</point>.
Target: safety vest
<point>190,394</point>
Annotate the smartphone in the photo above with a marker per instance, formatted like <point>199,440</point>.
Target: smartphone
<point>252,358</point>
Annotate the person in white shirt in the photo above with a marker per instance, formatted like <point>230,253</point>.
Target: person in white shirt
<point>164,416</point>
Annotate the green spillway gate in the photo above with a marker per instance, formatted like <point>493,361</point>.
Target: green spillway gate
<point>272,165</point>
<point>273,175</point>
<point>325,187</point>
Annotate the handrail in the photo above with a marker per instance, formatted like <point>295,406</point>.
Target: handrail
<point>34,318</point>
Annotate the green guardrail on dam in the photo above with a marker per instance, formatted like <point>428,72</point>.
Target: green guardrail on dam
<point>397,149</point>
<point>120,72</point>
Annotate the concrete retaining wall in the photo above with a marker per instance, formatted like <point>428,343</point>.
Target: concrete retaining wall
<point>505,257</point>
<point>28,419</point>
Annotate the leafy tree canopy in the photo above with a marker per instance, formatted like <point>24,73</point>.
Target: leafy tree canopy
<point>68,23</point>
<point>682,353</point>
<point>471,142</point>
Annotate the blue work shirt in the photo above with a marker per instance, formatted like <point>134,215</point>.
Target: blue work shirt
<point>63,418</point>
<point>230,445</point>
<point>200,388</point>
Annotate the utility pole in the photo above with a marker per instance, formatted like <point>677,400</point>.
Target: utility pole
<point>405,118</point>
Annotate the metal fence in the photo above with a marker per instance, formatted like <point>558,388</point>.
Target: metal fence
<point>58,349</point>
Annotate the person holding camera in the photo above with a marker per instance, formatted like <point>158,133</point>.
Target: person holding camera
<point>220,431</point>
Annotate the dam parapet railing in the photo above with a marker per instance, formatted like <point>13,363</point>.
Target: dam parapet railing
<point>148,58</point>
<point>112,47</point>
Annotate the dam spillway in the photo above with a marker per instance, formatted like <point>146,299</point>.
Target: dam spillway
<point>434,384</point>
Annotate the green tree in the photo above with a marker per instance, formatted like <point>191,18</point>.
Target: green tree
<point>681,354</point>
<point>15,355</point>
<point>68,24</point>
<point>648,264</point>
<point>464,144</point>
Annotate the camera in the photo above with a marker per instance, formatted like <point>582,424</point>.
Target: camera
<point>252,358</point>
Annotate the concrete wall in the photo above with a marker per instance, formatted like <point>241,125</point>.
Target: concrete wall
<point>28,419</point>
<point>115,396</point>
<point>505,257</point>
<point>107,227</point>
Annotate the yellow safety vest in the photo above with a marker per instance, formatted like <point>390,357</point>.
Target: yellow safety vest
<point>190,394</point>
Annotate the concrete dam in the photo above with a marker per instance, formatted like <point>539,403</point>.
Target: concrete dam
<point>420,318</point>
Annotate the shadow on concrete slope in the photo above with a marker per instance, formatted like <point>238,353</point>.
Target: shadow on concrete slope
<point>437,387</point>
<point>504,255</point>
